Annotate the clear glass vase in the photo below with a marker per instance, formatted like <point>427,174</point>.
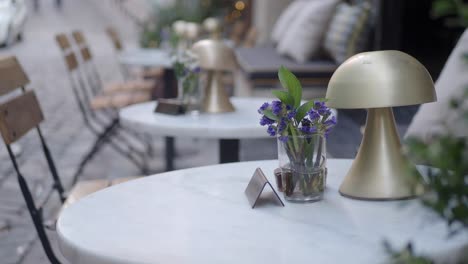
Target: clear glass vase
<point>190,96</point>
<point>302,160</point>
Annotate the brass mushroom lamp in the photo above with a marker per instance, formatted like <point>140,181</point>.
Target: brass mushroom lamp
<point>215,58</point>
<point>378,81</point>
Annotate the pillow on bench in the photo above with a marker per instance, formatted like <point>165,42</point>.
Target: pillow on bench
<point>304,36</point>
<point>348,32</point>
<point>285,19</point>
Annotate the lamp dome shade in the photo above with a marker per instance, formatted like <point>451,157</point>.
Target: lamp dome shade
<point>214,54</point>
<point>380,79</point>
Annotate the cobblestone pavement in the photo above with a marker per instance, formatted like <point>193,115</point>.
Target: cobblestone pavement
<point>69,139</point>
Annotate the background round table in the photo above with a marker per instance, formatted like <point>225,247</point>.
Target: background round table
<point>227,127</point>
<point>201,215</point>
<point>152,58</point>
<point>146,58</point>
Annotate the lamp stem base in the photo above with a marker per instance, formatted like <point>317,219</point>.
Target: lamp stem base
<point>380,171</point>
<point>216,98</point>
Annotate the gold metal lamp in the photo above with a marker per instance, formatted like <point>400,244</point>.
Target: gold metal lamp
<point>215,58</point>
<point>378,81</point>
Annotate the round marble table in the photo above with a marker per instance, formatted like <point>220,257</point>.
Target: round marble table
<point>228,127</point>
<point>146,58</point>
<point>201,215</point>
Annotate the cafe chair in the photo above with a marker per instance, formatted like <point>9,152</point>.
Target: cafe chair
<point>137,85</point>
<point>18,116</point>
<point>103,122</point>
<point>145,73</point>
<point>100,100</point>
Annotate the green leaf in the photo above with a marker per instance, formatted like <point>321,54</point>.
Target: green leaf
<point>291,83</point>
<point>268,113</point>
<point>442,8</point>
<point>284,97</point>
<point>303,109</point>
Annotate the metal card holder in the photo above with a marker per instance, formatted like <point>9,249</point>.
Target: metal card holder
<point>170,107</point>
<point>255,188</point>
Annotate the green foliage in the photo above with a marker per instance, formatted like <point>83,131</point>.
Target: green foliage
<point>446,183</point>
<point>284,97</point>
<point>303,109</point>
<point>188,10</point>
<point>454,12</point>
<point>291,83</point>
<point>405,256</point>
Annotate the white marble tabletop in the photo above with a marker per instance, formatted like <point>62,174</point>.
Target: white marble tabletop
<point>201,215</point>
<point>146,58</point>
<point>243,123</point>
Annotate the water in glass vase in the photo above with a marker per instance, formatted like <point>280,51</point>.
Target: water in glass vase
<point>304,185</point>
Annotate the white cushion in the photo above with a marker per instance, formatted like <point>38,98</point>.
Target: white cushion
<point>438,118</point>
<point>347,33</point>
<point>304,36</point>
<point>285,19</point>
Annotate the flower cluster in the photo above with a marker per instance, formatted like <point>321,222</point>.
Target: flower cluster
<point>186,70</point>
<point>281,119</point>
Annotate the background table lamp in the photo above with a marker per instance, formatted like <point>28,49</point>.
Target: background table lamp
<point>378,81</point>
<point>215,57</point>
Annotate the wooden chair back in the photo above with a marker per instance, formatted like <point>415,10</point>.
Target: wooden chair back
<point>80,40</point>
<point>19,115</point>
<point>114,36</point>
<point>63,42</point>
<point>67,51</point>
<point>12,75</point>
<point>71,61</point>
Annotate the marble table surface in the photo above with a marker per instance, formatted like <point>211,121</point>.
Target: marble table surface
<point>243,123</point>
<point>146,58</point>
<point>201,215</point>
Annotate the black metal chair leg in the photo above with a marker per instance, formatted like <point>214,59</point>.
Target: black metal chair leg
<point>89,156</point>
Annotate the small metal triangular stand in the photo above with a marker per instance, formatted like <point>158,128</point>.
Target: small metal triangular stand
<point>255,188</point>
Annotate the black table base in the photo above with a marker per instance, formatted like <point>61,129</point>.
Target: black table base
<point>228,151</point>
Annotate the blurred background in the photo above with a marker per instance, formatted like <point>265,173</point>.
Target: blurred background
<point>426,29</point>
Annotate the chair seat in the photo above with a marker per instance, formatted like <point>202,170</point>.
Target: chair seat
<point>151,73</point>
<point>84,188</point>
<point>129,86</point>
<point>119,100</point>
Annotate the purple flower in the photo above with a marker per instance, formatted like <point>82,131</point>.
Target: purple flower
<point>324,111</point>
<point>309,129</point>
<point>276,107</point>
<point>282,125</point>
<point>291,114</point>
<point>330,122</point>
<point>283,139</point>
<point>319,105</point>
<point>263,107</point>
<point>196,70</point>
<point>313,115</point>
<point>321,108</point>
<point>288,107</point>
<point>266,121</point>
<point>271,130</point>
